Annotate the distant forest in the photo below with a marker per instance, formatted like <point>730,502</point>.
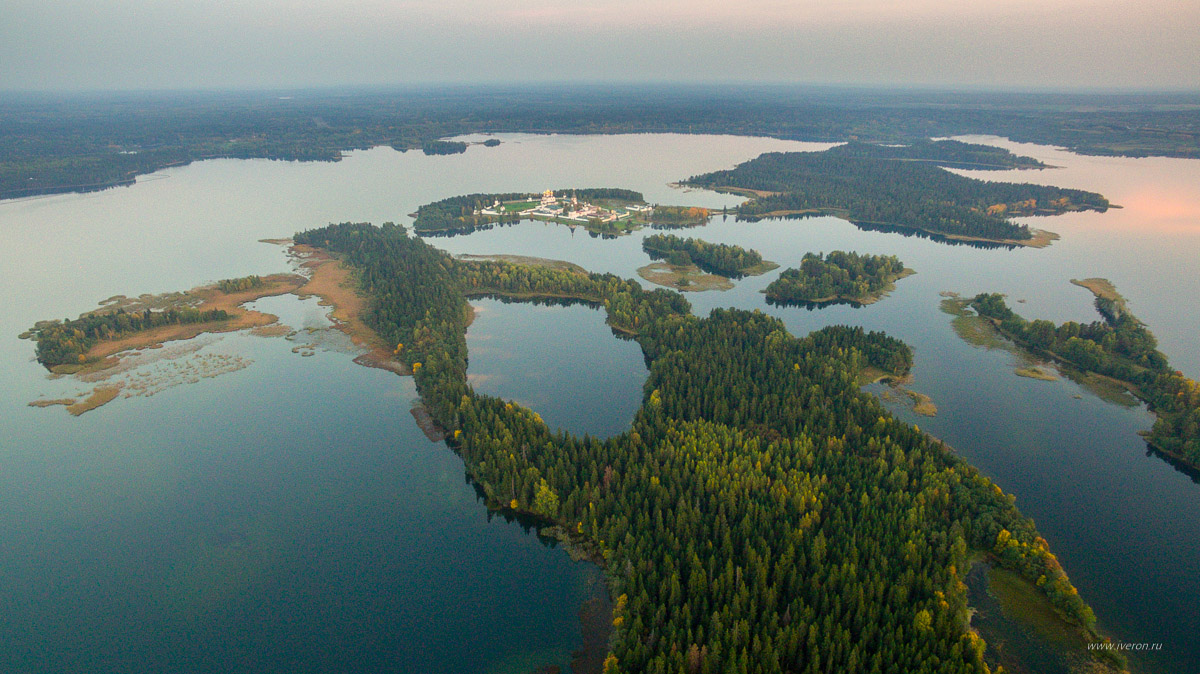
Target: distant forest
<point>85,142</point>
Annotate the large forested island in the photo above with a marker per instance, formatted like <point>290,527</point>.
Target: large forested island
<point>837,277</point>
<point>1118,347</point>
<point>761,515</point>
<point>900,188</point>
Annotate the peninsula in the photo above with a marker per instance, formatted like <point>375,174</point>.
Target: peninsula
<point>738,501</point>
<point>122,323</point>
<point>1119,349</point>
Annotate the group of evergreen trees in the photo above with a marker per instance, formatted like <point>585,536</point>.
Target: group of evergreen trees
<point>68,341</point>
<point>234,285</point>
<point>833,277</point>
<point>714,258</point>
<point>874,188</point>
<point>762,515</point>
<point>949,153</point>
<point>458,213</point>
<point>674,217</point>
<point>443,147</point>
<point>1120,347</point>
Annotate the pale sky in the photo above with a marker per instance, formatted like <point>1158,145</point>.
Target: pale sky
<point>150,44</point>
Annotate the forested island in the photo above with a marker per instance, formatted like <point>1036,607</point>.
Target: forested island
<point>837,277</point>
<point>761,515</point>
<point>715,258</point>
<point>1118,347</point>
<point>874,188</point>
<point>695,265</point>
<point>68,143</point>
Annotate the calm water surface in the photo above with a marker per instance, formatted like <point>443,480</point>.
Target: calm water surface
<point>254,518</point>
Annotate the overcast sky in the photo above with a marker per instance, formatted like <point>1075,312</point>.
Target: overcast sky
<point>149,44</point>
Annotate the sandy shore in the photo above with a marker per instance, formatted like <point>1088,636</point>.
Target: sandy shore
<point>335,285</point>
<point>204,298</point>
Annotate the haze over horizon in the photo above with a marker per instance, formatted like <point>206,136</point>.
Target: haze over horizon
<point>142,44</point>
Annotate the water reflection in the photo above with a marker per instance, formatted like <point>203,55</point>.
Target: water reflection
<point>117,498</point>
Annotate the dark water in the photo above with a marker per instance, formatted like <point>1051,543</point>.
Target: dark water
<point>290,515</point>
<point>578,376</point>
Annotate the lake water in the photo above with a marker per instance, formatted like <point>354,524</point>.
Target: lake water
<point>290,515</point>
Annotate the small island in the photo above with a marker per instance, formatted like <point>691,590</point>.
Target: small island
<point>601,211</point>
<point>902,188</point>
<point>1118,350</point>
<point>838,277</point>
<point>696,265</point>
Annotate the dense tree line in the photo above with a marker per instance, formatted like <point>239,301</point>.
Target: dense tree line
<point>233,285</point>
<point>714,258</point>
<point>875,190</point>
<point>949,153</point>
<point>593,194</point>
<point>458,213</point>
<point>762,515</point>
<point>836,276</point>
<point>68,341</point>
<point>443,147</point>
<point>77,143</point>
<point>1120,347</point>
<point>678,216</point>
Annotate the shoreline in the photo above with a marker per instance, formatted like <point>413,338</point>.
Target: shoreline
<point>1023,630</point>
<point>335,285</point>
<point>104,355</point>
<point>674,277</point>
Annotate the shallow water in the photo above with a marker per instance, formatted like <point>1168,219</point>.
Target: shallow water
<point>293,509</point>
